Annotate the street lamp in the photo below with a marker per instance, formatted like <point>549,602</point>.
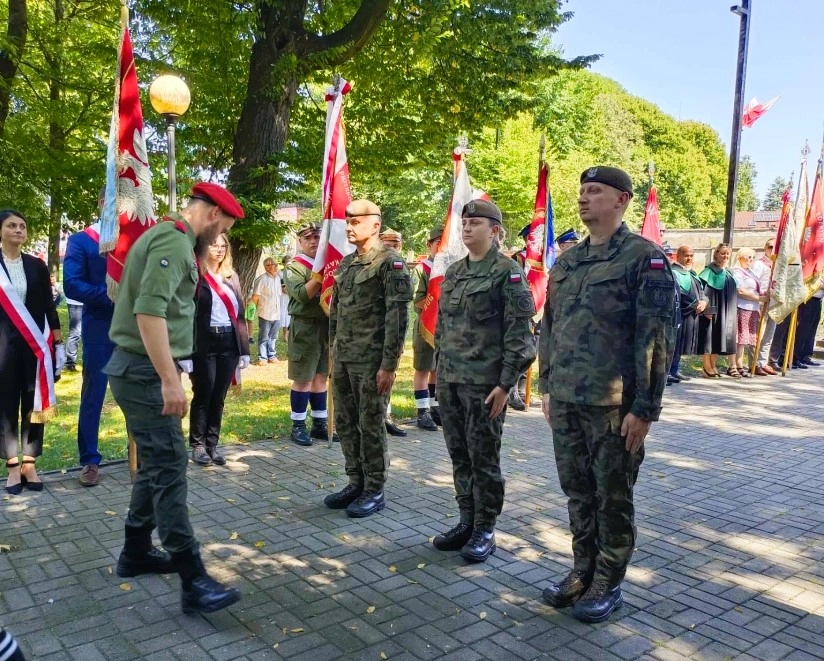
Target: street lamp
<point>170,98</point>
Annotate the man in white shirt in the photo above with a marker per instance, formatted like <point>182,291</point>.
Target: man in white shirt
<point>266,297</point>
<point>762,268</point>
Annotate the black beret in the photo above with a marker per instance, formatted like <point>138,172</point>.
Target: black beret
<point>525,231</point>
<point>568,237</point>
<point>603,174</point>
<point>482,209</point>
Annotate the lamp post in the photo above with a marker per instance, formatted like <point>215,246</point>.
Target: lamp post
<point>170,98</point>
<point>743,10</point>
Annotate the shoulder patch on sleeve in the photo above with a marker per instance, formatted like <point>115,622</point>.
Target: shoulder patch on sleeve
<point>656,263</point>
<point>397,263</point>
<point>525,303</point>
<point>515,277</point>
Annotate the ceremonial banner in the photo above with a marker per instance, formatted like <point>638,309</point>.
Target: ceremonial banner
<point>787,290</point>
<point>336,195</point>
<point>812,241</point>
<point>651,228</point>
<point>754,110</point>
<point>540,242</point>
<point>128,207</point>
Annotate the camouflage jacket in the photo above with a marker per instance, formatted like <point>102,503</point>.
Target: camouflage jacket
<point>608,325</point>
<point>483,334</point>
<point>370,308</point>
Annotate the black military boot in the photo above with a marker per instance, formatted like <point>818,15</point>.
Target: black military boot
<point>515,401</point>
<point>140,557</point>
<point>425,420</point>
<point>300,435</point>
<point>343,498</point>
<point>320,430</point>
<point>566,592</point>
<point>598,602</point>
<point>217,456</point>
<point>392,429</point>
<point>480,546</point>
<point>367,503</point>
<point>200,592</point>
<point>453,540</point>
<point>435,413</point>
<point>200,456</point>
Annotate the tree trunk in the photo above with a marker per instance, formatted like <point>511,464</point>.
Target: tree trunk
<point>57,146</point>
<point>16,33</point>
<point>245,260</point>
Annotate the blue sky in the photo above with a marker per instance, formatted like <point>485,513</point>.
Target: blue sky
<point>682,57</point>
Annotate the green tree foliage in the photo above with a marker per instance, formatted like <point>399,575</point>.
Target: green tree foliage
<point>773,197</point>
<point>745,198</point>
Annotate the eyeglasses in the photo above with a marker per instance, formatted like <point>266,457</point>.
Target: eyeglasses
<point>218,246</point>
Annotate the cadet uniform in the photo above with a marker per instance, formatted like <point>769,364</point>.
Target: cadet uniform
<point>604,351</point>
<point>368,319</point>
<point>483,340</point>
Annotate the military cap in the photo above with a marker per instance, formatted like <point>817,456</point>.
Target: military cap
<point>603,174</point>
<point>362,208</point>
<point>308,228</point>
<point>435,233</point>
<point>482,209</point>
<point>219,196</point>
<point>390,234</point>
<point>569,236</point>
<point>525,231</point>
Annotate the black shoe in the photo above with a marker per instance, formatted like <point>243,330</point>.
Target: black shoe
<point>566,592</point>
<point>217,457</point>
<point>200,456</point>
<point>200,592</point>
<point>682,377</point>
<point>320,430</point>
<point>672,379</point>
<point>799,366</point>
<point>425,420</point>
<point>480,546</point>
<point>301,436</point>
<point>343,498</point>
<point>71,368</point>
<point>392,429</point>
<point>154,561</point>
<point>809,362</point>
<point>515,401</point>
<point>435,414</point>
<point>367,503</point>
<point>453,540</point>
<point>598,602</point>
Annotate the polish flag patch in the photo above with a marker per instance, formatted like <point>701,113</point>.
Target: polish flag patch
<point>397,264</point>
<point>514,277</point>
<point>656,262</point>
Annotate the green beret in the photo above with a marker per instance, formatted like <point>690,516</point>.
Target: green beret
<point>603,174</point>
<point>436,233</point>
<point>308,228</point>
<point>482,209</point>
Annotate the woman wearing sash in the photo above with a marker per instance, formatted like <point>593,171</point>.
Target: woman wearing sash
<point>28,364</point>
<point>221,350</point>
<point>718,327</point>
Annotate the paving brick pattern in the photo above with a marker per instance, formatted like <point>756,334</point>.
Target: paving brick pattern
<point>728,567</point>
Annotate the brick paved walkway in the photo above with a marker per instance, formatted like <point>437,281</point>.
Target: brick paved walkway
<point>729,561</point>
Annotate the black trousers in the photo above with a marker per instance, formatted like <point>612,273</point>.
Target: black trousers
<point>211,377</point>
<point>17,433</point>
<point>809,316</point>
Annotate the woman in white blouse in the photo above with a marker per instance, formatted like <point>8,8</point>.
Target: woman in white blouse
<point>221,349</point>
<point>750,298</point>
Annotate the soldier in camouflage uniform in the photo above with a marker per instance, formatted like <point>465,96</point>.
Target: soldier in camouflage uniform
<point>367,324</point>
<point>607,336</point>
<point>483,343</point>
<point>308,340</point>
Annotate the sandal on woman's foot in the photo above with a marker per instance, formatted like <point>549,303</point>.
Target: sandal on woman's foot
<point>14,489</point>
<point>734,373</point>
<point>31,486</point>
<point>710,375</point>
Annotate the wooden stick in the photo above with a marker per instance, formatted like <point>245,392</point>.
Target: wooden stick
<point>790,345</point>
<point>762,325</point>
<point>528,386</point>
<point>133,463</point>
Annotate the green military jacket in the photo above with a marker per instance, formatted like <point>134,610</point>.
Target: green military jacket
<point>300,305</point>
<point>369,312</point>
<point>159,280</point>
<point>483,335</point>
<point>420,282</point>
<point>608,330</point>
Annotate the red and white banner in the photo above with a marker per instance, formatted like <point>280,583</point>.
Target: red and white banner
<point>336,196</point>
<point>451,248</point>
<point>540,241</point>
<point>754,109</point>
<point>651,227</point>
<point>128,208</point>
<point>812,240</point>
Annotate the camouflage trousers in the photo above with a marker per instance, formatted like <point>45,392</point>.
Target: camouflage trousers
<point>359,421</point>
<point>597,474</point>
<point>474,445</point>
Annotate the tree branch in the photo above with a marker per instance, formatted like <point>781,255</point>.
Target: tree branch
<point>344,44</point>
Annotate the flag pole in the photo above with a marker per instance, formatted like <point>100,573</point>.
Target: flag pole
<point>790,346</point>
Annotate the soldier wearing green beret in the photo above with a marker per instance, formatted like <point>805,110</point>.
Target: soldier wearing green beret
<point>607,336</point>
<point>368,317</point>
<point>483,343</point>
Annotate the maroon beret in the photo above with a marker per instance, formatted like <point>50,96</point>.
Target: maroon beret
<point>219,196</point>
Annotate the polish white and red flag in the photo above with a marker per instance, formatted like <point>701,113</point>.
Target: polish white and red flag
<point>754,109</point>
<point>451,247</point>
<point>336,195</point>
<point>128,207</point>
<point>651,227</point>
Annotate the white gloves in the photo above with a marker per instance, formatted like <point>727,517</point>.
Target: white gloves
<point>59,358</point>
<point>244,362</point>
<point>186,365</point>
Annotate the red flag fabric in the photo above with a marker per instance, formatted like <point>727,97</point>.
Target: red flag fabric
<point>128,208</point>
<point>754,110</point>
<point>812,240</point>
<point>784,218</point>
<point>651,229</point>
<point>537,241</point>
<point>336,195</point>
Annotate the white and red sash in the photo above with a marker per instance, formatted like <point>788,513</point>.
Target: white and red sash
<point>230,308</point>
<point>40,342</point>
<point>94,232</point>
<point>426,265</point>
<point>305,260</point>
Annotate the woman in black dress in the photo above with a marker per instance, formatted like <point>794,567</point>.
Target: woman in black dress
<point>718,326</point>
